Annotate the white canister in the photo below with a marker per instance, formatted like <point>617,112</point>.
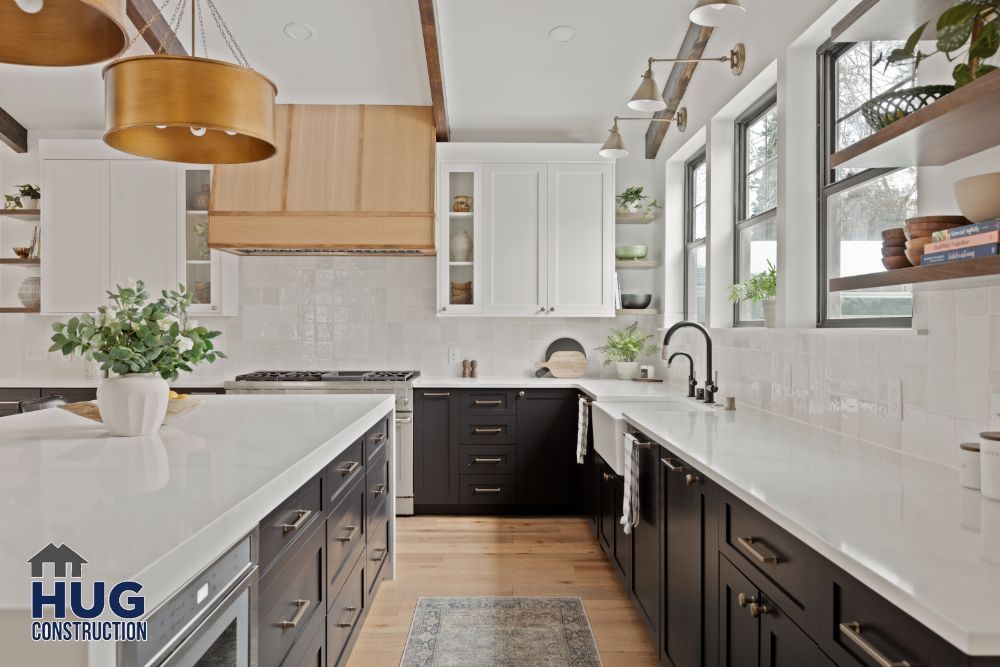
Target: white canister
<point>989,461</point>
<point>968,465</point>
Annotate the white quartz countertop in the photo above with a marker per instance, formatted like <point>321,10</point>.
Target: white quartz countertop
<point>901,525</point>
<point>85,383</point>
<point>157,509</point>
<point>600,389</point>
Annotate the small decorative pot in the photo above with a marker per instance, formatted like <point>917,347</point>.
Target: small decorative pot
<point>968,465</point>
<point>461,247</point>
<point>29,204</point>
<point>627,369</point>
<point>30,292</point>
<point>202,198</point>
<point>461,204</point>
<point>989,464</point>
<point>133,404</point>
<point>768,305</point>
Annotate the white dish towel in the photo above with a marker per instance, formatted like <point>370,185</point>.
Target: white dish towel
<point>582,426</point>
<point>630,499</point>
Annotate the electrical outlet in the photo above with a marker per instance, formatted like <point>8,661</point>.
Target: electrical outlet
<point>453,355</point>
<point>895,399</point>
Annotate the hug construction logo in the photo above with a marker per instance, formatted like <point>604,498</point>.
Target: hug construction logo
<point>89,608</point>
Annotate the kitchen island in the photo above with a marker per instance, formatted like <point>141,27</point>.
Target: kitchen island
<point>159,509</point>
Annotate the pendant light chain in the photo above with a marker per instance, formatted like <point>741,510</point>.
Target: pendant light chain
<point>227,35</point>
<point>176,9</point>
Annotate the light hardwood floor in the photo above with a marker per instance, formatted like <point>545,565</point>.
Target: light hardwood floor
<point>488,556</point>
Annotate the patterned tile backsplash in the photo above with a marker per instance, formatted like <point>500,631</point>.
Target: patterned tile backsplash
<point>344,312</point>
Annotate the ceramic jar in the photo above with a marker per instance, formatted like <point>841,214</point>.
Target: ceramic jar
<point>989,461</point>
<point>29,204</point>
<point>133,404</point>
<point>30,292</point>
<point>968,465</point>
<point>461,247</point>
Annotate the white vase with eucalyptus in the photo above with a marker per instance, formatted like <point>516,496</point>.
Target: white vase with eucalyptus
<point>144,343</point>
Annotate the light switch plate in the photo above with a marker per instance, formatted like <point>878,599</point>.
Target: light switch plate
<point>453,355</point>
<point>895,399</point>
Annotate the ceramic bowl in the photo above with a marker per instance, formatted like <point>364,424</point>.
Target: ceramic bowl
<point>917,245</point>
<point>22,251</point>
<point>893,251</point>
<point>632,301</point>
<point>892,263</point>
<point>978,197</point>
<point>928,224</point>
<point>893,236</point>
<point>631,251</point>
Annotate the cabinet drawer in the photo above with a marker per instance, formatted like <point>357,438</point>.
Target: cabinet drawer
<point>489,459</point>
<point>377,481</point>
<point>485,402</point>
<point>308,650</point>
<point>378,549</point>
<point>498,430</point>
<point>347,467</point>
<point>9,398</point>
<point>285,525</point>
<point>753,542</point>
<point>488,489</point>
<point>376,439</point>
<point>345,612</point>
<point>72,394</point>
<point>861,628</point>
<point>289,594</point>
<point>345,532</point>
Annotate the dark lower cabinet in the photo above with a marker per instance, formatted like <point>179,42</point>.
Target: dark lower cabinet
<point>547,471</point>
<point>645,575</point>
<point>616,545</point>
<point>436,457</point>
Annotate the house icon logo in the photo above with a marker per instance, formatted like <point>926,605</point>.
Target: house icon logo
<point>60,557</point>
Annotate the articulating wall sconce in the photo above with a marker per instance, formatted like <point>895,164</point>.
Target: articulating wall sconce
<point>648,96</point>
<point>614,147</point>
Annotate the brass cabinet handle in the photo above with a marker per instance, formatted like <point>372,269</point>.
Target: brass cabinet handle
<point>487,459</point>
<point>299,521</point>
<point>692,480</point>
<point>747,543</point>
<point>744,600</point>
<point>490,430</point>
<point>492,489</point>
<point>484,402</point>
<point>757,609</point>
<point>404,420</point>
<point>379,438</point>
<point>382,554</point>
<point>302,605</point>
<point>352,621</point>
<point>673,466</point>
<point>349,468</point>
<point>10,402</point>
<point>853,632</point>
<point>350,534</point>
<point>378,490</point>
<point>437,394</point>
<point>607,477</point>
<point>522,394</point>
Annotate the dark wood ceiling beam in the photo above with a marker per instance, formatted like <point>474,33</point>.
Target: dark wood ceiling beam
<point>13,133</point>
<point>693,46</point>
<point>432,51</point>
<point>159,36</point>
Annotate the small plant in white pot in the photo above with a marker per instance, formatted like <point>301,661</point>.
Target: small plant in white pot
<point>623,348</point>
<point>632,200</point>
<point>29,195</point>
<point>144,343</point>
<point>759,288</point>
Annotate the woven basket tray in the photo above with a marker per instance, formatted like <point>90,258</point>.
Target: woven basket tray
<point>175,408</point>
<point>887,108</point>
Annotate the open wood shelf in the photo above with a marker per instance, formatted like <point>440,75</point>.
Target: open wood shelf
<point>632,219</point>
<point>967,268</point>
<point>635,264</point>
<point>958,125</point>
<point>882,20</point>
<point>22,213</point>
<point>36,309</point>
<point>20,262</point>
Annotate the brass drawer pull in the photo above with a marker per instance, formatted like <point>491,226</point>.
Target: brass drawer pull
<point>642,445</point>
<point>482,402</point>
<point>349,468</point>
<point>382,552</point>
<point>491,430</point>
<point>15,403</point>
<point>692,480</point>
<point>853,632</point>
<point>302,605</point>
<point>487,459</point>
<point>298,523</point>
<point>437,394</point>
<point>607,477</point>
<point>490,489</point>
<point>352,621</point>
<point>379,490</point>
<point>350,534</point>
<point>743,600</point>
<point>379,438</point>
<point>757,609</point>
<point>673,466</point>
<point>747,543</point>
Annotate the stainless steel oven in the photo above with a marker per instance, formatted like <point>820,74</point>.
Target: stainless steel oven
<point>210,622</point>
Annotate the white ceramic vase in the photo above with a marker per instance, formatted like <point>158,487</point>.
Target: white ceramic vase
<point>29,204</point>
<point>768,306</point>
<point>627,369</point>
<point>133,404</point>
<point>461,247</point>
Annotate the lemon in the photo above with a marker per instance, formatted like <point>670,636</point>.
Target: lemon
<point>174,394</point>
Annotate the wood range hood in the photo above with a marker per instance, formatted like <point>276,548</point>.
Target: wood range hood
<point>346,180</point>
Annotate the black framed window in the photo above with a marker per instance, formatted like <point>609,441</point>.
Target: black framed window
<point>856,204</point>
<point>756,234</point>
<point>695,235</point>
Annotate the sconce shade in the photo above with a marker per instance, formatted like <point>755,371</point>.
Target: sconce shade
<point>647,96</point>
<point>714,13</point>
<point>63,33</point>
<point>614,147</point>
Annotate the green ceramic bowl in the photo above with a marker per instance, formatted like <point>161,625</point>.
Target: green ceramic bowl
<point>631,251</point>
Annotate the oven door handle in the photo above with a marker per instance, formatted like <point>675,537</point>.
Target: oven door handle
<point>404,420</point>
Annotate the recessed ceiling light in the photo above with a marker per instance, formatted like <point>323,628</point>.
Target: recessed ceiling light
<point>299,31</point>
<point>562,33</point>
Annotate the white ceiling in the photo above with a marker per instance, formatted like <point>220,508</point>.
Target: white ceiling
<point>368,51</point>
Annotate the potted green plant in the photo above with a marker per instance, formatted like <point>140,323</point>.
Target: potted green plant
<point>144,343</point>
<point>759,288</point>
<point>623,348</point>
<point>632,200</point>
<point>29,194</point>
<point>968,32</point>
<point>11,202</point>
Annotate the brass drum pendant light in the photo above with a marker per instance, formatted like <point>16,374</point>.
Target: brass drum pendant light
<point>61,33</point>
<point>190,109</point>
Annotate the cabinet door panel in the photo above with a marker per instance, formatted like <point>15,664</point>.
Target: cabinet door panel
<point>580,239</point>
<point>739,639</point>
<point>783,644</point>
<point>683,507</point>
<point>646,542</point>
<point>514,225</point>
<point>435,448</point>
<point>547,471</point>
<point>606,509</point>
<point>75,234</point>
<point>622,541</point>
<point>143,228</point>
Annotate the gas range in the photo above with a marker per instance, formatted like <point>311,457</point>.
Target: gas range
<point>399,383</point>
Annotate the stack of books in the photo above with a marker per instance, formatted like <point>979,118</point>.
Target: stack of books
<point>980,239</point>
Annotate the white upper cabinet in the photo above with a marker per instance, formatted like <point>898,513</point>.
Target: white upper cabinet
<point>514,233</point>
<point>542,226</point>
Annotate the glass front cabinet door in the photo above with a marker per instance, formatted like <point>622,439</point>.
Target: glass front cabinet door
<point>211,275</point>
<point>459,227</point>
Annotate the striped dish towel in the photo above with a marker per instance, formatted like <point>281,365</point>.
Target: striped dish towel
<point>582,426</point>
<point>630,499</point>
